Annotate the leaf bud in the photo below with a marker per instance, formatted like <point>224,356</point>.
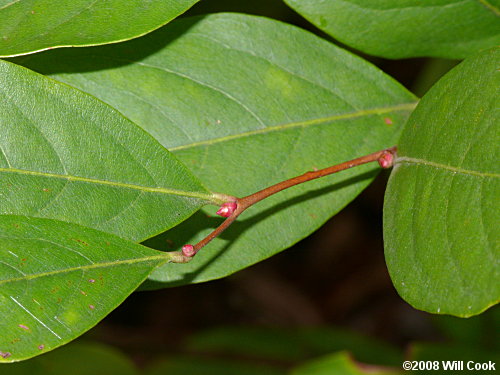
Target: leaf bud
<point>188,250</point>
<point>227,209</point>
<point>386,160</point>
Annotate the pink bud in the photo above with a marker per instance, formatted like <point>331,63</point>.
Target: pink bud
<point>227,209</point>
<point>188,250</point>
<point>386,160</point>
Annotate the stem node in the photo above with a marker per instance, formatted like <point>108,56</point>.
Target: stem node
<point>232,207</point>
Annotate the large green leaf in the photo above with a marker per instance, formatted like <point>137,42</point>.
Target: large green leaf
<point>245,102</point>
<point>441,209</point>
<point>28,26</point>
<point>406,28</point>
<point>66,155</point>
<point>58,279</point>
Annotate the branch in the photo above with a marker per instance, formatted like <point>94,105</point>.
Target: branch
<point>234,207</point>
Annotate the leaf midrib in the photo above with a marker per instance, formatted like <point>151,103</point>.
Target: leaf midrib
<point>490,7</point>
<point>148,189</point>
<point>162,256</point>
<point>303,124</point>
<point>408,160</point>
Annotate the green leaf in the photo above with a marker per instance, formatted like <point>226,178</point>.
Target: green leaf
<point>340,363</point>
<point>79,358</point>
<point>441,206</point>
<point>28,26</point>
<point>66,155</point>
<point>57,280</point>
<point>407,28</point>
<point>245,102</point>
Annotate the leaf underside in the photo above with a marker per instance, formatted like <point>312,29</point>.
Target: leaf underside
<point>57,280</point>
<point>66,155</point>
<point>30,26</point>
<point>228,97</point>
<point>398,29</point>
<point>441,206</point>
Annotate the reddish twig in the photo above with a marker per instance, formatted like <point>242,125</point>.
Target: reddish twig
<point>234,206</point>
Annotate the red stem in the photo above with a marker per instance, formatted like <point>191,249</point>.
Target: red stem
<point>384,157</point>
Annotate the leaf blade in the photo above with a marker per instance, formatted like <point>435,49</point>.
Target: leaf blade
<point>400,29</point>
<point>59,279</point>
<point>438,238</point>
<point>26,27</point>
<point>68,156</point>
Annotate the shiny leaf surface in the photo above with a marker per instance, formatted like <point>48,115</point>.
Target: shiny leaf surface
<point>245,102</point>
<point>407,28</point>
<point>57,280</point>
<point>66,155</point>
<point>442,203</point>
<point>31,26</point>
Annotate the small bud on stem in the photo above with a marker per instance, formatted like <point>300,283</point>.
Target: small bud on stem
<point>188,250</point>
<point>227,209</point>
<point>386,160</point>
<point>233,207</point>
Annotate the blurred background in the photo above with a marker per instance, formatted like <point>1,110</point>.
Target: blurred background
<point>331,292</point>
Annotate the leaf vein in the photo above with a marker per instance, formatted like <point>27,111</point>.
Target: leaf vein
<point>226,94</point>
<point>304,123</point>
<point>490,7</point>
<point>305,79</point>
<point>5,157</point>
<point>162,256</point>
<point>148,189</point>
<point>408,160</point>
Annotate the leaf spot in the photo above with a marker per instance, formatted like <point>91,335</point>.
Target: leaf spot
<point>23,327</point>
<point>91,307</point>
<point>388,121</point>
<point>82,292</point>
<point>80,241</point>
<point>5,354</point>
<point>91,281</point>
<point>41,347</point>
